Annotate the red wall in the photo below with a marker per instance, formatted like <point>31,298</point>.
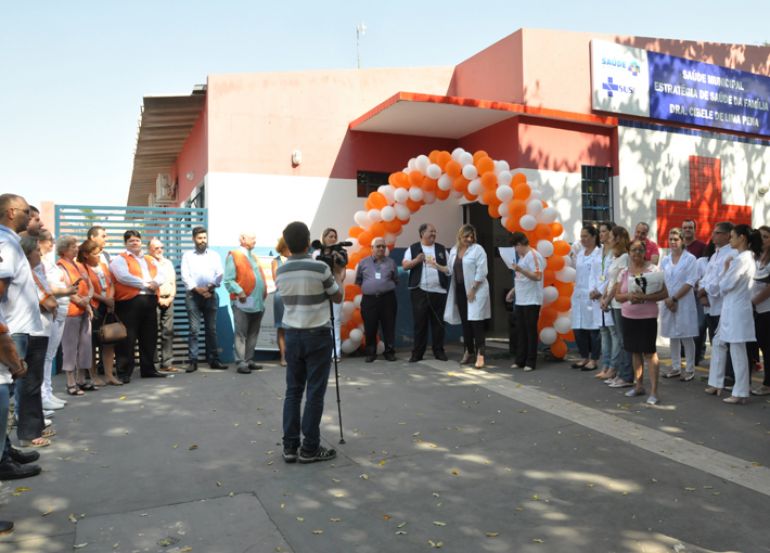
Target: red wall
<point>194,157</point>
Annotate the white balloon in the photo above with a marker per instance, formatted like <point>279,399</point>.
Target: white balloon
<point>411,165</point>
<point>429,197</point>
<point>501,166</point>
<point>355,246</point>
<point>350,278</point>
<point>402,212</point>
<point>503,220</point>
<point>445,182</point>
<point>401,195</point>
<point>388,213</point>
<point>550,293</point>
<point>535,194</point>
<point>380,348</point>
<point>362,219</point>
<point>357,301</point>
<point>356,335</point>
<point>474,187</point>
<point>390,238</point>
<point>466,158</point>
<point>457,154</point>
<point>504,178</point>
<point>504,193</point>
<point>374,215</point>
<point>387,191</point>
<point>528,222</point>
<point>348,346</point>
<point>545,248</point>
<point>548,215</point>
<point>415,193</point>
<point>534,207</point>
<point>347,306</point>
<point>562,324</point>
<point>567,274</point>
<point>548,335</point>
<point>470,172</point>
<point>422,163</point>
<point>433,171</point>
<point>502,209</point>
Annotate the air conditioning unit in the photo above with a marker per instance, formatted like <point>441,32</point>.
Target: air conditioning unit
<point>165,189</point>
<point>151,199</point>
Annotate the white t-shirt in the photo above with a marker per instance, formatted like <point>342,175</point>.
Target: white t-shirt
<point>20,305</point>
<point>46,317</point>
<point>764,306</point>
<point>5,372</point>
<point>55,277</point>
<point>528,291</point>
<point>429,279</point>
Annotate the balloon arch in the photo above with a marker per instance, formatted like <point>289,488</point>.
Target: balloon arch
<point>439,176</point>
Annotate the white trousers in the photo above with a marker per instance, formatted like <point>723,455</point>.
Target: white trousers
<point>57,329</point>
<point>689,354</point>
<point>718,366</point>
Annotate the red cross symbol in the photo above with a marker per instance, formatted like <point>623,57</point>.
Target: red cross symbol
<point>705,205</point>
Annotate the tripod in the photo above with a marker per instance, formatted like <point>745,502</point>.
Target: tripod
<point>336,371</point>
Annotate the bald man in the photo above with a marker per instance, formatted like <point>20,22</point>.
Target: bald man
<point>247,285</point>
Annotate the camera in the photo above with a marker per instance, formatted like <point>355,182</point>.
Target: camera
<point>327,253</point>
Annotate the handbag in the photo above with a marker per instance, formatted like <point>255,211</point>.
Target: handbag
<point>110,333</point>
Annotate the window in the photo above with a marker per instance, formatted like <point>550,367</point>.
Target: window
<point>596,190</point>
<point>370,181</point>
<point>198,199</point>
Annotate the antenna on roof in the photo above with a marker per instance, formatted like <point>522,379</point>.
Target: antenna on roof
<point>360,31</point>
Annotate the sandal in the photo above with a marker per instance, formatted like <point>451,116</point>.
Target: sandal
<point>75,390</point>
<point>114,383</point>
<point>37,442</point>
<point>88,387</point>
<point>48,433</point>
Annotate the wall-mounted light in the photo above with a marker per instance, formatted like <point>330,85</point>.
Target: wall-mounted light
<point>762,190</point>
<point>296,157</point>
<point>190,175</point>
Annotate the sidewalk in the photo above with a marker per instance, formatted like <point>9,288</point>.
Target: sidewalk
<point>437,457</point>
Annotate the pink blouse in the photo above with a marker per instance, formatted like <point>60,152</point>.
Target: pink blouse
<point>646,310</point>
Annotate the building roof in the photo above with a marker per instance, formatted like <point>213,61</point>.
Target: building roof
<point>166,122</point>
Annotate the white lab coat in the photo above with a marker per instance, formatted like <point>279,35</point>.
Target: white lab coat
<point>600,275</point>
<point>474,270</point>
<point>736,323</point>
<point>684,322</point>
<point>582,307</point>
<point>714,272</point>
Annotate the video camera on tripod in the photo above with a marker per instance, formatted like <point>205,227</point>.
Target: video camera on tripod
<point>327,253</point>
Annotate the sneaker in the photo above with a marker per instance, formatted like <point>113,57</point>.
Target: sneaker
<point>610,380</point>
<point>620,383</point>
<point>58,399</point>
<point>687,377</point>
<point>674,373</point>
<point>50,405</point>
<point>528,369</point>
<point>634,392</point>
<point>290,454</point>
<point>320,454</point>
<point>761,390</point>
<point>516,367</point>
<point>652,400</point>
<point>48,414</point>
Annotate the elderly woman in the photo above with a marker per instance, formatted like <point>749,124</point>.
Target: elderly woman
<point>585,322</point>
<point>639,311</point>
<point>76,337</point>
<point>62,292</point>
<point>617,242</point>
<point>761,301</point>
<point>468,298</point>
<point>734,330</point>
<point>283,253</point>
<point>29,407</point>
<point>679,314</point>
<point>102,303</point>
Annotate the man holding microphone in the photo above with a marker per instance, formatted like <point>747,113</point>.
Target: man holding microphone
<point>305,285</point>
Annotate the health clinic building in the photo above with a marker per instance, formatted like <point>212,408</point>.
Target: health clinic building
<point>608,127</point>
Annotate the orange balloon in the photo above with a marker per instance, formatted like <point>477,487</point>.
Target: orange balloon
<point>565,288</point>
<point>355,231</point>
<point>377,200</point>
<point>516,209</point>
<point>560,247</point>
<point>492,210</point>
<point>555,263</point>
<point>444,157</point>
<point>489,181</point>
<point>453,169</point>
<point>397,179</point>
<point>429,185</point>
<point>412,205</point>
<point>344,332</point>
<point>356,318</point>
<point>548,315</point>
<point>378,229</point>
<point>365,238</point>
<point>351,291</point>
<point>478,155</point>
<point>521,191</point>
<point>442,194</point>
<point>468,196</point>
<point>353,260</point>
<point>415,178</point>
<point>460,184</point>
<point>549,277</point>
<point>543,232</point>
<point>489,198</point>
<point>559,349</point>
<point>393,226</point>
<point>518,178</point>
<point>569,336</point>
<point>433,156</point>
<point>557,229</point>
<point>512,224</point>
<point>562,304</point>
<point>485,165</point>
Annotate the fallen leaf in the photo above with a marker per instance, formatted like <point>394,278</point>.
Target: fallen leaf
<point>318,532</point>
<point>387,517</point>
<point>219,484</point>
<point>21,489</point>
<point>300,519</point>
<point>492,534</point>
<point>122,398</point>
<point>336,480</point>
<point>364,477</point>
<point>80,545</point>
<point>400,533</point>
<point>537,540</point>
<point>192,447</point>
<point>689,489</point>
<point>381,463</point>
<point>455,472</point>
<point>185,549</point>
<point>436,544</point>
<point>335,519</point>
<point>72,518</point>
<point>45,514</point>
<point>401,525</point>
<point>439,523</point>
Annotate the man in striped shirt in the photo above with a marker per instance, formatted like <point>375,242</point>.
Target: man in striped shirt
<point>305,285</point>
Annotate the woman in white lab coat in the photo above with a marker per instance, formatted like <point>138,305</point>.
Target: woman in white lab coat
<point>736,326</point>
<point>468,297</point>
<point>585,323</point>
<point>678,312</point>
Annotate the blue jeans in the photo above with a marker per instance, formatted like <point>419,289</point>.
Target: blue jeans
<point>308,360</point>
<point>610,346</point>
<point>624,364</point>
<point>199,308</point>
<point>5,399</point>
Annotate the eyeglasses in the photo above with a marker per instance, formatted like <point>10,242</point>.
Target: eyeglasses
<point>380,246</point>
<point>637,250</point>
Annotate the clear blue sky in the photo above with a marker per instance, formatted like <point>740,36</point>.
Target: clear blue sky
<point>74,73</point>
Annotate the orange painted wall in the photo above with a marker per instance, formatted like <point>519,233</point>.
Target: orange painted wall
<point>193,158</point>
<point>256,120</point>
